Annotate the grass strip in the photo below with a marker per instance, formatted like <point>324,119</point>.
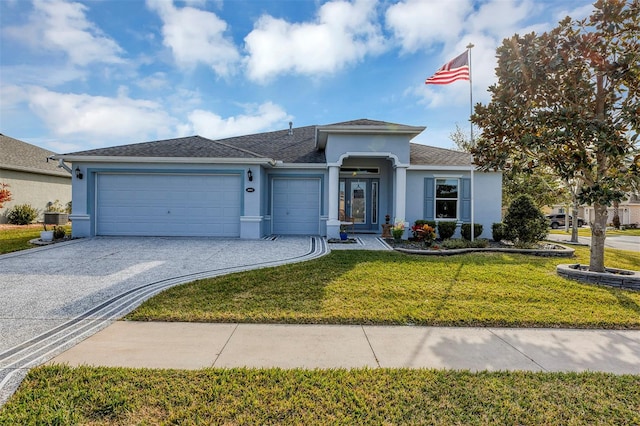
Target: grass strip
<point>116,396</point>
<point>365,287</point>
<point>15,239</point>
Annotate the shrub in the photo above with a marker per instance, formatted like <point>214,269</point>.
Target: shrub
<point>458,243</point>
<point>497,231</point>
<point>55,207</point>
<point>419,225</point>
<point>465,230</point>
<point>59,232</point>
<point>524,223</point>
<point>22,214</point>
<point>446,229</point>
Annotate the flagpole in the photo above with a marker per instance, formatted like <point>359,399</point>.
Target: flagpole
<point>469,47</point>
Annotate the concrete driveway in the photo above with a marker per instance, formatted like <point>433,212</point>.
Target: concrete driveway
<point>55,296</point>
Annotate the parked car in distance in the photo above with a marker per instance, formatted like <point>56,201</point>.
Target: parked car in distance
<point>557,220</point>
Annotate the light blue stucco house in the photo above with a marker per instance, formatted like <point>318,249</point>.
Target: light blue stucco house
<point>302,181</point>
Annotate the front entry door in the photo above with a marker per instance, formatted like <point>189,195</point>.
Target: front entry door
<point>359,202</point>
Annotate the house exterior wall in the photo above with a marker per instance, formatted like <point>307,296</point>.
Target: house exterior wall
<point>487,196</point>
<point>629,213</point>
<point>337,145</point>
<point>35,189</point>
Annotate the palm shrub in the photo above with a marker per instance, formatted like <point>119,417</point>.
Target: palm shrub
<point>524,223</point>
<point>465,230</point>
<point>446,230</point>
<point>22,214</point>
<point>497,231</point>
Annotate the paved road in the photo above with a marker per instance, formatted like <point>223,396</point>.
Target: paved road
<point>622,242</point>
<point>55,296</point>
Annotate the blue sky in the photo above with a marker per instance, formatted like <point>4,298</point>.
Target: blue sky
<point>77,75</point>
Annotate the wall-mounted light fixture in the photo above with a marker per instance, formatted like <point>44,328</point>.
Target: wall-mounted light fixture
<point>250,175</point>
<point>78,173</point>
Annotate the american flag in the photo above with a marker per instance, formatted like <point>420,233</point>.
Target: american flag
<point>455,69</point>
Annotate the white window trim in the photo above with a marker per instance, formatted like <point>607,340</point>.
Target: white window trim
<point>435,199</point>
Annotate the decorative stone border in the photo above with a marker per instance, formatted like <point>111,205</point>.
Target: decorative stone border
<point>558,252</point>
<point>618,278</point>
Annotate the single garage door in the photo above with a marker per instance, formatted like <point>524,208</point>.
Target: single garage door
<point>168,204</point>
<point>296,206</point>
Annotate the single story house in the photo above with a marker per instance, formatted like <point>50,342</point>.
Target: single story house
<point>32,179</point>
<point>628,211</point>
<point>296,181</point>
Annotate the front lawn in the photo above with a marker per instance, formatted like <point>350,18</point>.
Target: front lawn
<point>116,396</point>
<point>362,287</point>
<point>15,238</point>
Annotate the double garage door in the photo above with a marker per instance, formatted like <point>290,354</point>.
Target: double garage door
<point>168,204</point>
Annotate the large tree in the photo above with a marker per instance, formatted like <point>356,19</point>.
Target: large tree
<point>569,100</point>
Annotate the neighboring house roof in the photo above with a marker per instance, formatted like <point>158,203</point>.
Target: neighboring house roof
<point>21,156</point>
<point>295,145</point>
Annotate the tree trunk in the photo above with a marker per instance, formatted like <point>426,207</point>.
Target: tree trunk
<point>574,227</point>
<point>598,235</point>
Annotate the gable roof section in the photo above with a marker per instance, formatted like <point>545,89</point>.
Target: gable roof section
<point>364,126</point>
<point>425,155</point>
<point>21,156</point>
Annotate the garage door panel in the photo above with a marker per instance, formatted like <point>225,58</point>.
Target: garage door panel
<point>166,204</point>
<point>296,206</point>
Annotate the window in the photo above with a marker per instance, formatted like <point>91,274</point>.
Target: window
<point>447,198</point>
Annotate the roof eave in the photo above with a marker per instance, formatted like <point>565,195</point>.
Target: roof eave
<point>35,171</point>
<point>167,160</point>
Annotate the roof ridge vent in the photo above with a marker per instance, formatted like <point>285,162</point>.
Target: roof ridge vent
<point>290,133</point>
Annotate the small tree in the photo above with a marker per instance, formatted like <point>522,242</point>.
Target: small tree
<point>5,194</point>
<point>524,223</point>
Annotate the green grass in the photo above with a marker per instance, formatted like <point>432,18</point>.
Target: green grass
<point>362,287</point>
<point>16,239</point>
<point>115,396</point>
<point>586,232</point>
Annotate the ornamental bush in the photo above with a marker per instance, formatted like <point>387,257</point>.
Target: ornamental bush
<point>497,231</point>
<point>465,230</point>
<point>22,214</point>
<point>446,230</point>
<point>524,223</point>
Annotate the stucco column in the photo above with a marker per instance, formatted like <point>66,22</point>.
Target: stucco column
<point>400,193</point>
<point>333,224</point>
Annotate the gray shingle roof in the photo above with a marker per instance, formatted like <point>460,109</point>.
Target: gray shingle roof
<point>18,155</point>
<point>280,145</point>
<point>431,155</point>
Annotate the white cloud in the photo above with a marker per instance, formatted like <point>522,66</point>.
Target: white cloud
<point>95,119</point>
<point>420,24</point>
<point>155,81</point>
<point>343,33</point>
<point>62,26</point>
<point>196,36</point>
<point>255,120</point>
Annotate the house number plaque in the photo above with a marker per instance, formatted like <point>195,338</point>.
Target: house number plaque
<point>251,189</point>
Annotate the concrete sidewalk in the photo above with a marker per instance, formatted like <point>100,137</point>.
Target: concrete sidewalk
<point>196,345</point>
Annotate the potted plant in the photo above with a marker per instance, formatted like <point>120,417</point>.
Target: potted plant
<point>46,235</point>
<point>56,214</point>
<point>398,230</point>
<point>343,232</point>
